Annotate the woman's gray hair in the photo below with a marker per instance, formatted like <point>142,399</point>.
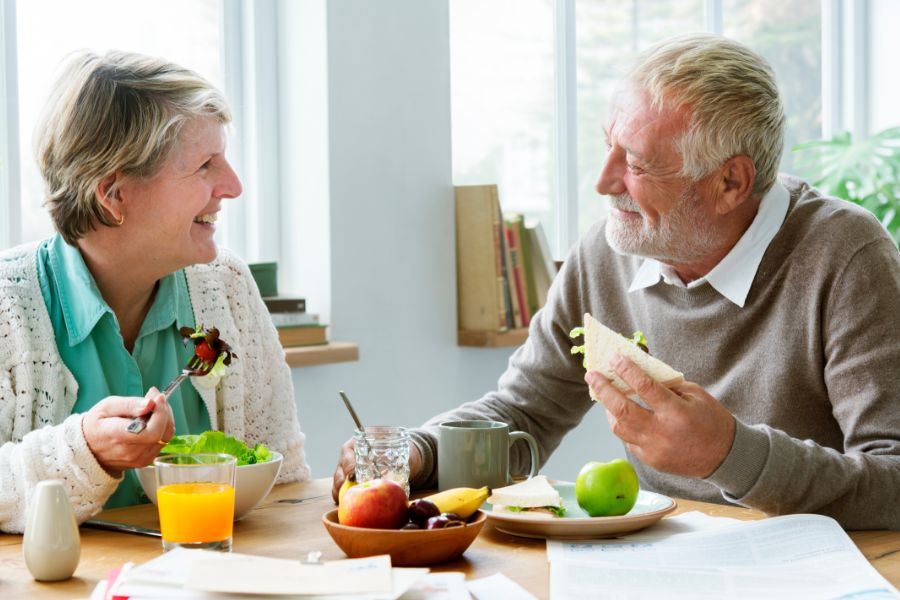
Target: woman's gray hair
<point>731,99</point>
<point>117,112</point>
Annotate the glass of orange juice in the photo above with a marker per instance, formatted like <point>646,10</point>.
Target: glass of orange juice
<point>195,495</point>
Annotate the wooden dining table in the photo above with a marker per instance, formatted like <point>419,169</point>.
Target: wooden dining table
<point>288,524</point>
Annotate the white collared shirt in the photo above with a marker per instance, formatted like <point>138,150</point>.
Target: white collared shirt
<point>734,274</point>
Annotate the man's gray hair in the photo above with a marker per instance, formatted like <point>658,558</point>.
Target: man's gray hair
<point>117,112</point>
<point>731,99</point>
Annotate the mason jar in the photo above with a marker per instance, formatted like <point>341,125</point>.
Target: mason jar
<point>383,452</point>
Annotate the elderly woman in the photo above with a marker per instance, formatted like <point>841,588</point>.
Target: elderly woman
<point>132,150</point>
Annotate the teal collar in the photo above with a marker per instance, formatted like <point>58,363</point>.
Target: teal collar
<point>83,306</point>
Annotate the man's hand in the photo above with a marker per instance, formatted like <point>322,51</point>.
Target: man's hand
<point>685,431</point>
<point>347,465</point>
<point>117,449</point>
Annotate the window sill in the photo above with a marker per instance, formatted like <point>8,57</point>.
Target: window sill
<point>332,352</point>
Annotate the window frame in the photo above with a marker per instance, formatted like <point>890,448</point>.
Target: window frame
<point>250,69</point>
<point>10,188</point>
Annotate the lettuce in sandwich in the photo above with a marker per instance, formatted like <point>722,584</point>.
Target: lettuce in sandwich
<point>534,495</point>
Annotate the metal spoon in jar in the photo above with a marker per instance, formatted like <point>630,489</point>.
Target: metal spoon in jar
<point>359,426</point>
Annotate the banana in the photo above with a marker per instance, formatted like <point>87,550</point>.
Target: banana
<point>462,501</point>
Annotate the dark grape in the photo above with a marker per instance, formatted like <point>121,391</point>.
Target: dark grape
<point>421,510</point>
<point>442,522</point>
<point>410,525</point>
<point>452,516</point>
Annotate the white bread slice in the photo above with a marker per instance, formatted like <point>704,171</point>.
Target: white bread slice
<point>533,492</point>
<point>601,342</point>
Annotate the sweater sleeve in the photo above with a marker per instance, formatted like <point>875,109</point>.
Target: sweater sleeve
<point>860,485</point>
<point>542,391</point>
<point>270,380</point>
<point>52,452</point>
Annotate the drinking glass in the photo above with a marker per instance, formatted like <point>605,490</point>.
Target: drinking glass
<point>195,495</point>
<point>383,451</point>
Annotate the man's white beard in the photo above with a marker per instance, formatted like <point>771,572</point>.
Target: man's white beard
<point>682,236</point>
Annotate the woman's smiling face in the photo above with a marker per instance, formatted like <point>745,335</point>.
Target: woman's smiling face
<point>172,214</point>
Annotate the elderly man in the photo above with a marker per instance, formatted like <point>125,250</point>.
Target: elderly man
<point>783,304</point>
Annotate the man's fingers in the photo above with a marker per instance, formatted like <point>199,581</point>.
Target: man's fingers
<point>650,390</point>
<point>337,480</point>
<point>346,464</point>
<point>625,411</point>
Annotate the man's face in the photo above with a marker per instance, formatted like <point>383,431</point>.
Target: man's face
<point>654,211</point>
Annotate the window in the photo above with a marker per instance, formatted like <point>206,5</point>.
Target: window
<point>192,40</point>
<point>503,95</point>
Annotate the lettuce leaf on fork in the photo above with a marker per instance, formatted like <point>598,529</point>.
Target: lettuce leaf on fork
<point>216,442</point>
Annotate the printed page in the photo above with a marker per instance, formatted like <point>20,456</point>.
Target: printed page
<point>801,555</point>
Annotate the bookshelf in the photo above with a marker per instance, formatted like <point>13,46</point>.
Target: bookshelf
<point>323,354</point>
<point>491,339</point>
<point>504,269</point>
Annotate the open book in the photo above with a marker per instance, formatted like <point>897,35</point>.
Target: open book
<point>795,556</point>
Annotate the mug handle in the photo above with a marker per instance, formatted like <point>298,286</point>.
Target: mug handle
<point>532,448</point>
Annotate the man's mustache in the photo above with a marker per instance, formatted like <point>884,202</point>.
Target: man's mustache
<point>624,202</point>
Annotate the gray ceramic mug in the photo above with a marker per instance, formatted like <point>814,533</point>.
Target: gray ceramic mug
<point>476,453</point>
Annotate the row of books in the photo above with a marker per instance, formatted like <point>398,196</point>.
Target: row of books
<point>504,266</point>
<point>295,326</point>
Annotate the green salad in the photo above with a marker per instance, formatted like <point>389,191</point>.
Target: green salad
<point>216,442</point>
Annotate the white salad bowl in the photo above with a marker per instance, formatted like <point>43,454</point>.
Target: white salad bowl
<point>251,483</point>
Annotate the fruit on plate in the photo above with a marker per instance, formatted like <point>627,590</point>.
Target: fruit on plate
<point>462,501</point>
<point>607,489</point>
<point>374,504</point>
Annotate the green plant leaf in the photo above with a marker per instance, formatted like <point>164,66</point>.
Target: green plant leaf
<point>865,172</point>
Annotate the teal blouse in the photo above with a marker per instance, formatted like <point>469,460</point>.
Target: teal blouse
<point>91,346</point>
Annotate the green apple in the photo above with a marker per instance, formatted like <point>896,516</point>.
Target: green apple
<point>607,489</point>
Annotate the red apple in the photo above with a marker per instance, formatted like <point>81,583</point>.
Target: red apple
<point>375,504</point>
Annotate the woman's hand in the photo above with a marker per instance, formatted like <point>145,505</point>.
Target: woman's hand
<point>117,449</point>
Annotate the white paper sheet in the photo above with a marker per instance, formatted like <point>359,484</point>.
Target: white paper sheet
<point>689,522</point>
<point>166,577</point>
<point>806,556</point>
<point>498,587</point>
<point>439,586</point>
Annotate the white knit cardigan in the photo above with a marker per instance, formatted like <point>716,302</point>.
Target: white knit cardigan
<point>41,439</point>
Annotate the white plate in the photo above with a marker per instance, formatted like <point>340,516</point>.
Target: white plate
<point>576,524</point>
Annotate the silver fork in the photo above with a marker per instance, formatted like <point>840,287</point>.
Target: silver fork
<point>195,366</point>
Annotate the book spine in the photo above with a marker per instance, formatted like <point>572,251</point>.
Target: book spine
<point>480,303</point>
<point>281,319</point>
<point>511,280</point>
<point>498,260</point>
<point>285,305</point>
<point>526,254</point>
<point>518,276</point>
<point>507,267</point>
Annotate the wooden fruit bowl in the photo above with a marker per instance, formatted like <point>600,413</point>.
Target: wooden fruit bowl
<point>408,548</point>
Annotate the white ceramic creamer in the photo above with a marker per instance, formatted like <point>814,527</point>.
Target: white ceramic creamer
<point>52,544</point>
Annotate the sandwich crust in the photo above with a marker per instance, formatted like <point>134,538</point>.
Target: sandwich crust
<point>601,343</point>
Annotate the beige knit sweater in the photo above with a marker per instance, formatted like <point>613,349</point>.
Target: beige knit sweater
<point>41,439</point>
<point>810,366</point>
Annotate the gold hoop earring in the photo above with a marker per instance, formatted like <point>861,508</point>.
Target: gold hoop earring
<point>120,220</point>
